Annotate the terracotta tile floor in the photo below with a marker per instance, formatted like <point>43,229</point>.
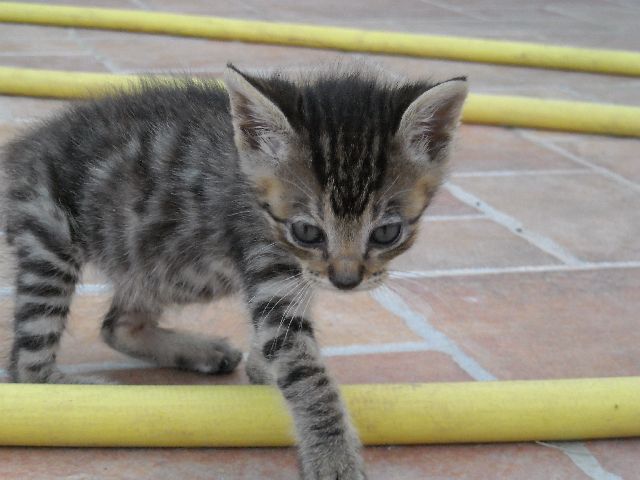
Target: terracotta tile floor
<point>528,264</point>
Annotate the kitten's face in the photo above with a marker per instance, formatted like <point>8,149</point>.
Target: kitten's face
<point>344,251</point>
<point>344,180</point>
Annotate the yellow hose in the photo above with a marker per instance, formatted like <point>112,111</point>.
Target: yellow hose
<point>254,416</point>
<point>60,84</point>
<point>480,109</point>
<point>582,117</point>
<point>347,39</point>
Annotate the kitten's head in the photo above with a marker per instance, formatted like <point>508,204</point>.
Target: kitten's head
<point>343,163</point>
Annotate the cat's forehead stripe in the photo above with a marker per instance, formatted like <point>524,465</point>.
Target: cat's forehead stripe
<point>349,137</point>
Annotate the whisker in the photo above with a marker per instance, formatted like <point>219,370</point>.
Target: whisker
<point>275,294</point>
<point>264,247</point>
<point>399,192</point>
<point>400,281</point>
<point>303,186</point>
<point>389,187</point>
<point>309,299</point>
<point>301,300</point>
<point>299,289</point>
<point>262,314</point>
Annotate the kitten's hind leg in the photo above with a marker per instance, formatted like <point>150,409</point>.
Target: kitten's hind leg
<point>46,275</point>
<point>138,335</point>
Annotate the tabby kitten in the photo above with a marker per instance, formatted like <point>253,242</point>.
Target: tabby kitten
<point>188,192</point>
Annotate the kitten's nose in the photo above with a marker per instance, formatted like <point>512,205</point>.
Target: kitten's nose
<point>346,274</point>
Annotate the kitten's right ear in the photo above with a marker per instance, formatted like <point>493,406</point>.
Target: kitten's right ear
<point>259,125</point>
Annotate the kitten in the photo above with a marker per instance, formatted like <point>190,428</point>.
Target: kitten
<point>188,192</point>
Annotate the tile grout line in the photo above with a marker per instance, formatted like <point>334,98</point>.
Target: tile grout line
<point>141,5</point>
<point>542,242</point>
<point>581,456</point>
<point>42,53</point>
<point>173,71</point>
<point>579,160</point>
<point>453,218</point>
<point>73,34</point>
<point>374,348</point>
<point>464,272</point>
<point>577,452</point>
<point>465,15</point>
<point>392,302</point>
<point>586,23</point>
<point>517,173</point>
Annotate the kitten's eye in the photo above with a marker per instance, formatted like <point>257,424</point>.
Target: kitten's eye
<point>386,234</point>
<point>307,234</point>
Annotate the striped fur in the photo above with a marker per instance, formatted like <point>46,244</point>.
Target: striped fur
<point>186,193</point>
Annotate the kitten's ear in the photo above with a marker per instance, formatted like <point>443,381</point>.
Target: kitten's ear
<point>428,124</point>
<point>259,125</point>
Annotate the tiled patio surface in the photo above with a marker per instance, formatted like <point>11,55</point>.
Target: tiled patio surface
<point>528,264</point>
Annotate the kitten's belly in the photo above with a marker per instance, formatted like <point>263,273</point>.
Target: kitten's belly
<point>151,289</point>
<point>221,280</point>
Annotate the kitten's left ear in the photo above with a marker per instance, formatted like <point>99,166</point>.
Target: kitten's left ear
<point>428,124</point>
<point>259,125</point>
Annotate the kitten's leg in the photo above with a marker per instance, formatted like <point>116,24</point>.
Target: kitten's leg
<point>328,444</point>
<point>137,334</point>
<point>257,367</point>
<point>47,272</point>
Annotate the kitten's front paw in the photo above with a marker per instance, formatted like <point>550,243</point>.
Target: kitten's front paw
<point>257,370</point>
<point>335,463</point>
